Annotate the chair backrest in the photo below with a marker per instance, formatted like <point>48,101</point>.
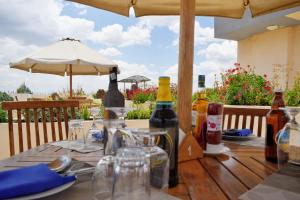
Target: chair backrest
<point>241,114</point>
<point>38,111</point>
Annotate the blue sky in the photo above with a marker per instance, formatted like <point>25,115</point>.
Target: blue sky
<point>146,45</point>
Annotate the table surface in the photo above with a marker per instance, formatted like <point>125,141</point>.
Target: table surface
<point>225,176</point>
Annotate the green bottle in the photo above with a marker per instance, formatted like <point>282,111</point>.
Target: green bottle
<point>164,117</point>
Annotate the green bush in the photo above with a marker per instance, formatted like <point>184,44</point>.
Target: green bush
<point>85,114</point>
<point>23,89</point>
<point>292,96</point>
<point>139,114</point>
<point>5,97</point>
<point>3,116</point>
<point>140,98</point>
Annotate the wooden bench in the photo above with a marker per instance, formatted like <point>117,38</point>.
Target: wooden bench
<point>57,111</point>
<point>242,115</point>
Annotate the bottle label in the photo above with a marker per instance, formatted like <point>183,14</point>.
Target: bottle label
<point>194,118</point>
<point>113,76</point>
<point>214,122</point>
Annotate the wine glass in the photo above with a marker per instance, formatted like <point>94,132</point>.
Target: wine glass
<point>94,135</point>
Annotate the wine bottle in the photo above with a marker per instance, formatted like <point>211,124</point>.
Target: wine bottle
<point>276,118</point>
<point>164,117</point>
<point>113,97</point>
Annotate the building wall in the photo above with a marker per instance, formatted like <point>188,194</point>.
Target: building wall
<point>273,50</point>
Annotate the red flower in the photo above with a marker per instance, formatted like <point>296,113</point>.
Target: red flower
<point>268,88</point>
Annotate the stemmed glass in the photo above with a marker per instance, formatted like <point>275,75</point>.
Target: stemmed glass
<point>94,135</point>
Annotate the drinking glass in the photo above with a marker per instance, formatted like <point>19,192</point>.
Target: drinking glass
<point>112,136</point>
<point>124,176</point>
<point>288,140</point>
<point>76,131</point>
<point>158,158</point>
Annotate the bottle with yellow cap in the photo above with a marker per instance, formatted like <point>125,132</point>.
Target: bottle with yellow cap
<point>199,114</point>
<point>164,117</point>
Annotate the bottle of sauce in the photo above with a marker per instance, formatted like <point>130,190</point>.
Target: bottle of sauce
<point>164,117</point>
<point>276,118</point>
<point>199,115</point>
<point>214,123</point>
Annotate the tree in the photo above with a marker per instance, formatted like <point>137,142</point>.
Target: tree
<point>23,89</point>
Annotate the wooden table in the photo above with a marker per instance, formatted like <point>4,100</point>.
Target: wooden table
<point>225,176</point>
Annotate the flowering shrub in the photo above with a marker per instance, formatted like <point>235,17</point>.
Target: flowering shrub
<point>140,96</point>
<point>242,87</point>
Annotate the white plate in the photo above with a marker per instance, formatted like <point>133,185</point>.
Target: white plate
<point>215,153</point>
<point>241,138</point>
<point>46,193</point>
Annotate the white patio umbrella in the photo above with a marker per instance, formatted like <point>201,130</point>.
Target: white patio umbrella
<point>187,9</point>
<point>66,57</point>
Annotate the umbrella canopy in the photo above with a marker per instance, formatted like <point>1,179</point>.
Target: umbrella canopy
<point>135,79</point>
<point>187,10</point>
<point>67,56</point>
<point>221,8</point>
<point>58,57</point>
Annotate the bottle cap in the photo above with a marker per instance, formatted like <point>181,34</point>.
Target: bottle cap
<point>164,93</point>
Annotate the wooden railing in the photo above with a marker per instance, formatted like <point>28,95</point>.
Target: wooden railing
<point>58,111</point>
<point>242,114</point>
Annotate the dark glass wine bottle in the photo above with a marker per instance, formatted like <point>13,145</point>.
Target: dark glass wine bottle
<point>113,97</point>
<point>276,118</point>
<point>164,117</point>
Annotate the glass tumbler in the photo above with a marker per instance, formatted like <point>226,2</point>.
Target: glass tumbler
<point>75,132</point>
<point>122,177</point>
<point>131,174</point>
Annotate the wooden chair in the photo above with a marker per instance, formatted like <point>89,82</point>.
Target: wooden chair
<point>242,113</point>
<point>55,109</point>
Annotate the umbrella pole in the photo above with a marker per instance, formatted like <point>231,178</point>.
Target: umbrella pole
<point>185,64</point>
<point>71,88</point>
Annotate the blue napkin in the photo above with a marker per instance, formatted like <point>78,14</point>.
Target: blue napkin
<point>238,132</point>
<point>30,180</point>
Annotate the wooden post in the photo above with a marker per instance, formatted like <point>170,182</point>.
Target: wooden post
<point>185,64</point>
<point>71,88</point>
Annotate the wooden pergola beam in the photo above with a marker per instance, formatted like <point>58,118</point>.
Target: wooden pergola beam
<point>185,64</point>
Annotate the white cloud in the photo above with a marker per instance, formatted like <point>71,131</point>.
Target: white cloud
<point>12,49</point>
<point>110,51</point>
<point>130,69</point>
<point>116,35</point>
<point>223,52</point>
<point>82,12</point>
<point>40,22</point>
<point>214,59</point>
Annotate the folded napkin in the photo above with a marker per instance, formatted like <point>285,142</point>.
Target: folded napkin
<point>30,180</point>
<point>238,132</point>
